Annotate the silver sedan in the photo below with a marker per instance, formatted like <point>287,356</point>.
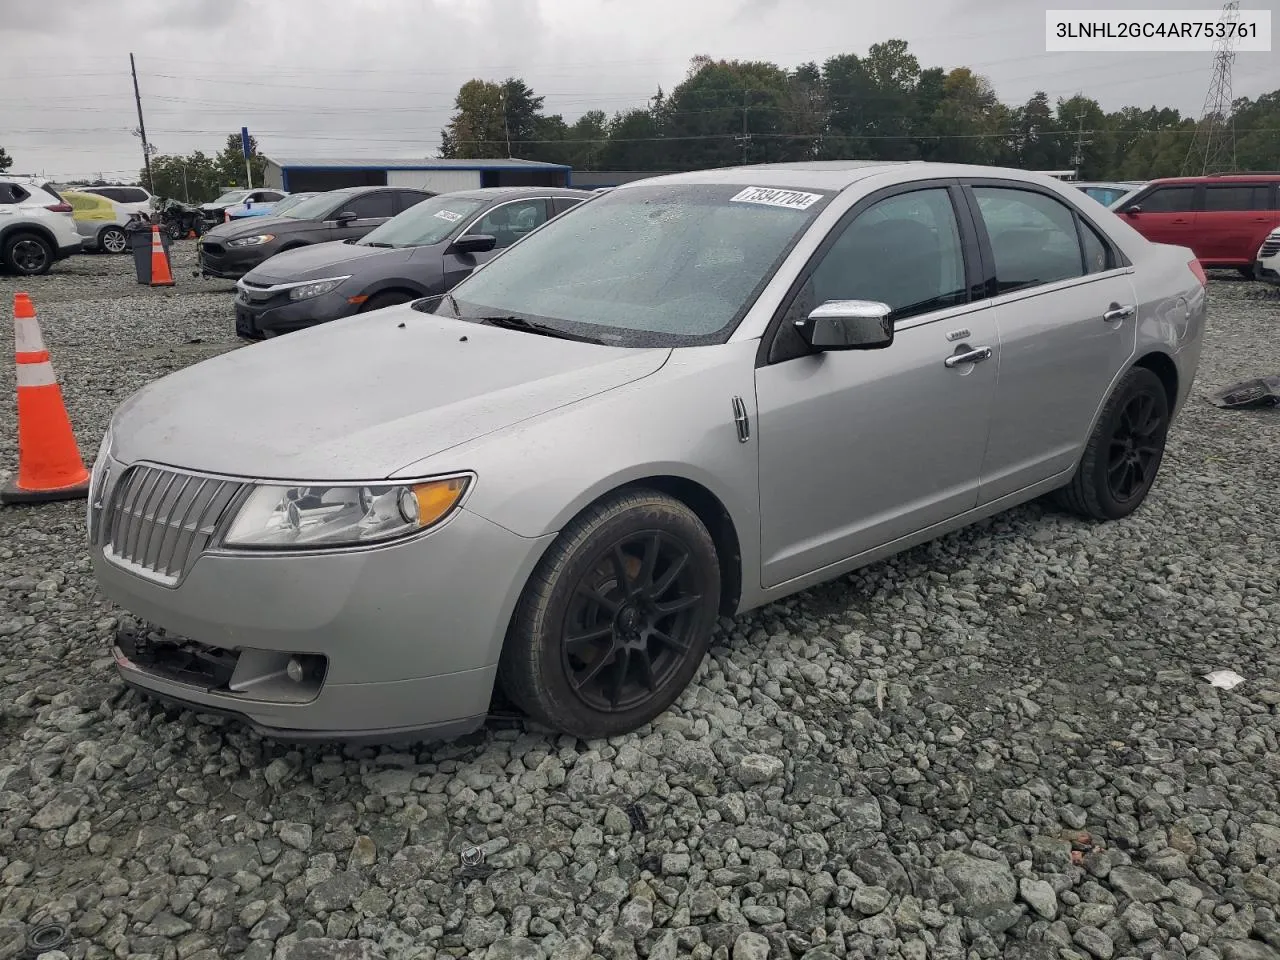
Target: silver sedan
<point>690,396</point>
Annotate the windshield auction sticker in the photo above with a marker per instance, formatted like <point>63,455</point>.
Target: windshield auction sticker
<point>792,199</point>
<point>449,215</point>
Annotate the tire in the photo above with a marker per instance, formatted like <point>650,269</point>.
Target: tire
<point>174,229</point>
<point>575,590</point>
<point>1127,443</point>
<point>1249,273</point>
<point>113,240</point>
<point>389,298</point>
<point>27,254</point>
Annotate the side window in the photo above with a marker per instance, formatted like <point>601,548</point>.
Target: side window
<point>904,251</point>
<point>1241,196</point>
<point>111,193</point>
<point>1097,253</point>
<point>1168,200</point>
<point>566,203</point>
<point>272,197</point>
<point>511,221</point>
<point>372,206</point>
<point>12,193</point>
<point>408,198</point>
<point>131,195</point>
<point>1033,237</point>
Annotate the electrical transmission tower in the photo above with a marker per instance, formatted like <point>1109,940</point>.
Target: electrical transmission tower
<point>1213,145</point>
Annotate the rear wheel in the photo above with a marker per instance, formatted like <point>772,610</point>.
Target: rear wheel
<point>616,618</point>
<point>387,299</point>
<point>1123,455</point>
<point>174,229</point>
<point>28,254</point>
<point>112,240</point>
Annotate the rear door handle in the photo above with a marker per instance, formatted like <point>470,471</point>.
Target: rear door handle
<point>976,355</point>
<point>1118,312</point>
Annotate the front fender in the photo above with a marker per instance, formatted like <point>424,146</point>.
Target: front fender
<point>533,478</point>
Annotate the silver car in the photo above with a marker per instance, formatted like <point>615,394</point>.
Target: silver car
<point>688,397</point>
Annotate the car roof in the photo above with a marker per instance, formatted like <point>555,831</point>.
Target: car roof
<point>503,193</point>
<point>1219,178</point>
<point>836,175</point>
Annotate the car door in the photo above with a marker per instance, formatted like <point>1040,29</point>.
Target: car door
<point>1065,312</point>
<point>1165,215</point>
<point>371,210</point>
<point>505,222</point>
<point>1233,221</point>
<point>861,448</point>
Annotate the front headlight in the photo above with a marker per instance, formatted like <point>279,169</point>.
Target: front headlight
<point>280,517</point>
<point>315,289</point>
<point>256,241</point>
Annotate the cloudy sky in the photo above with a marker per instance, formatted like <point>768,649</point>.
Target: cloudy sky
<point>377,77</point>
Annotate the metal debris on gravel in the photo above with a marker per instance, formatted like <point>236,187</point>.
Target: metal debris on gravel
<point>997,745</point>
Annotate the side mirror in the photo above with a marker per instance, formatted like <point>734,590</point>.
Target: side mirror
<point>1130,211</point>
<point>474,243</point>
<point>848,325</point>
<point>346,216</point>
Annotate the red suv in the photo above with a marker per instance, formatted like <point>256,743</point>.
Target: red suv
<point>1222,218</point>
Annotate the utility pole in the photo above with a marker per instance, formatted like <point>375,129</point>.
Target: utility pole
<point>1078,157</point>
<point>745,137</point>
<point>142,128</point>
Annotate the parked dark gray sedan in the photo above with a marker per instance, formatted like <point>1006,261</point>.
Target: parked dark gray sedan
<point>419,253</point>
<point>233,249</point>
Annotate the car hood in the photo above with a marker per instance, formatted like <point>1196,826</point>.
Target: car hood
<point>318,261</point>
<point>362,397</point>
<point>255,225</point>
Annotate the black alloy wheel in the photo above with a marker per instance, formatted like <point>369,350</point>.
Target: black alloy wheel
<point>28,255</point>
<point>628,627</point>
<point>1124,452</point>
<point>616,617</point>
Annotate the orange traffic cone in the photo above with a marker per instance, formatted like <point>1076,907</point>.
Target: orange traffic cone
<point>49,463</point>
<point>191,234</point>
<point>160,275</point>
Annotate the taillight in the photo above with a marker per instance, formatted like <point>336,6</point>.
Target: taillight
<point>59,207</point>
<point>1199,272</point>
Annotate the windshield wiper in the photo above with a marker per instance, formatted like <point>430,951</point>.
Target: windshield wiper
<point>529,326</point>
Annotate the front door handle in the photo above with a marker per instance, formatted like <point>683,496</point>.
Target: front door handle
<point>976,355</point>
<point>1118,312</point>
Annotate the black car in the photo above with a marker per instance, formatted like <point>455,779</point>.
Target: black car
<point>233,249</point>
<point>422,252</point>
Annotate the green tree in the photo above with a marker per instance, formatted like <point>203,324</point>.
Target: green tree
<point>6,161</point>
<point>476,129</point>
<point>230,162</point>
<point>968,120</point>
<point>196,178</point>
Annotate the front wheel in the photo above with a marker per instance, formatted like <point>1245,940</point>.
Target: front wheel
<point>1123,454</point>
<point>174,229</point>
<point>615,619</point>
<point>113,240</point>
<point>28,254</point>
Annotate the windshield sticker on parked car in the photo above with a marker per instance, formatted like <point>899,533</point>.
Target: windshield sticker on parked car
<point>792,199</point>
<point>449,215</point>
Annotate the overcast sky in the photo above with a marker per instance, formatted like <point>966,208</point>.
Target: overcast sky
<point>377,77</point>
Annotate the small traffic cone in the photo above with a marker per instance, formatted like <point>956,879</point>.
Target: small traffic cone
<point>49,463</point>
<point>160,275</point>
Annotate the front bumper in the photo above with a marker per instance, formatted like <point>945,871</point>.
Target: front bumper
<point>282,315</point>
<point>1268,271</point>
<point>217,259</point>
<point>408,634</point>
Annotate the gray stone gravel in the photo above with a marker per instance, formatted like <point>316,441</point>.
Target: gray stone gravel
<point>999,744</point>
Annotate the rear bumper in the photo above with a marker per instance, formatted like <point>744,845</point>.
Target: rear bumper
<point>70,248</point>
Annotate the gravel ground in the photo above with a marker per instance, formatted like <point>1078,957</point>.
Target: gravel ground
<point>1000,744</point>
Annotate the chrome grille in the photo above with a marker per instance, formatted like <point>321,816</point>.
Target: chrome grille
<point>1270,248</point>
<point>159,521</point>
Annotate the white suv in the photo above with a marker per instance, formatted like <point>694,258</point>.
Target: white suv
<point>130,199</point>
<point>37,227</point>
<point>1267,265</point>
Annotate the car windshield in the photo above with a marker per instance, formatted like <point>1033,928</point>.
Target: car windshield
<point>424,223</point>
<point>232,196</point>
<point>314,207</point>
<point>289,202</point>
<point>653,265</point>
